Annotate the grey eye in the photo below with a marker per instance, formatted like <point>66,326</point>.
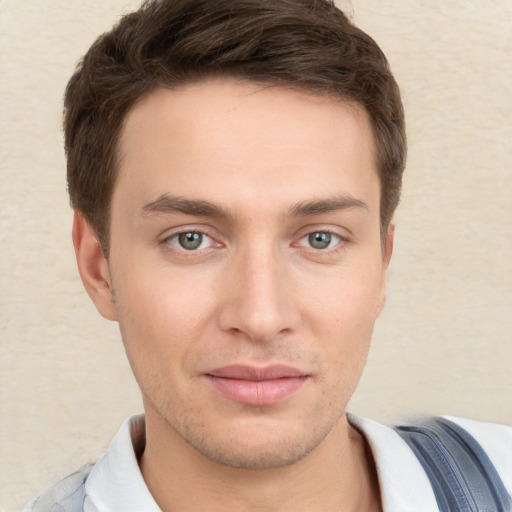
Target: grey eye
<point>320,240</point>
<point>190,241</point>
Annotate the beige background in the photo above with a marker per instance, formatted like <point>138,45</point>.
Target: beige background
<point>443,344</point>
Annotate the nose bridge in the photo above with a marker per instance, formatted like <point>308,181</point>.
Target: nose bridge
<point>259,303</point>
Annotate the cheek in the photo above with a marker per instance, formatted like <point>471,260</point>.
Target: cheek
<point>346,300</point>
<point>342,314</point>
<point>160,317</point>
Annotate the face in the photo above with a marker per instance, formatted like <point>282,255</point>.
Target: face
<point>246,265</point>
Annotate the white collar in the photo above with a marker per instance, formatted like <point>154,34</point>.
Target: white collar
<point>404,485</point>
<point>116,483</point>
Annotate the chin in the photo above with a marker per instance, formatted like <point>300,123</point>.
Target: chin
<point>258,446</point>
<point>256,456</point>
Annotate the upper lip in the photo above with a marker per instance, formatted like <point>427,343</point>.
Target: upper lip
<point>254,373</point>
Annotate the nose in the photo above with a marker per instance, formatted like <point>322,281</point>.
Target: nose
<point>259,301</point>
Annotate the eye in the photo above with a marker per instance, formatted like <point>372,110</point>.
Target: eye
<point>190,240</point>
<point>320,240</point>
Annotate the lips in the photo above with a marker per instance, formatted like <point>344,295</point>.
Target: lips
<point>256,386</point>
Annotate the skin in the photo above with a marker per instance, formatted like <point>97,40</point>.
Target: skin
<point>253,171</point>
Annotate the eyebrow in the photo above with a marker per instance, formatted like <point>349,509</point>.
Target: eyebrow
<point>174,204</point>
<point>166,204</point>
<point>331,204</point>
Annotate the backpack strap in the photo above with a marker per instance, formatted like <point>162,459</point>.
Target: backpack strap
<point>68,495</point>
<point>462,476</point>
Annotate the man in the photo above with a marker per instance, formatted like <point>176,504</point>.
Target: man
<point>234,167</point>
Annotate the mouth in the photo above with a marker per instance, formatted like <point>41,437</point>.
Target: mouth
<point>256,386</point>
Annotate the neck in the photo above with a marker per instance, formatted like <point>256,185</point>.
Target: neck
<point>338,475</point>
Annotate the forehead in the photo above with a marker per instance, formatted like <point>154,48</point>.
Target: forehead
<point>257,141</point>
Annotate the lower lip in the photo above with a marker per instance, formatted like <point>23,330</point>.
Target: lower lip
<point>250,392</point>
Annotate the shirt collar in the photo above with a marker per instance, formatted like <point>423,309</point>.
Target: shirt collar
<point>115,482</point>
<point>404,485</point>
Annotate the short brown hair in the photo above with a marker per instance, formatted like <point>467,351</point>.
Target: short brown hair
<point>305,44</point>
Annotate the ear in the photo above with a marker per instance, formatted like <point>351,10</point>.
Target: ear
<point>388,246</point>
<point>387,251</point>
<point>93,267</point>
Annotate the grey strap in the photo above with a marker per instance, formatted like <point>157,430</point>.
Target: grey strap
<point>462,476</point>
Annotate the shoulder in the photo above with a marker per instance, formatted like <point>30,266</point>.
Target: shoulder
<point>496,441</point>
<point>66,496</point>
<point>413,460</point>
<point>469,463</point>
<point>113,482</point>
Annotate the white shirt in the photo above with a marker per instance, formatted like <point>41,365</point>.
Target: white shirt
<point>115,483</point>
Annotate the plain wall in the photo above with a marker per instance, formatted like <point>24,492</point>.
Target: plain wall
<point>443,344</point>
